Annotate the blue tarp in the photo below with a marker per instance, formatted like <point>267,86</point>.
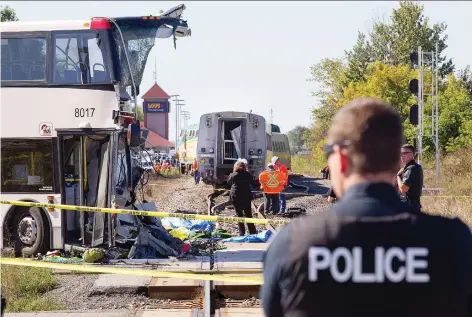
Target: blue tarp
<point>196,225</point>
<point>253,238</point>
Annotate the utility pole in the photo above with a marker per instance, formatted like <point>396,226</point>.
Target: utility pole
<point>176,126</point>
<point>271,116</point>
<point>186,116</point>
<point>426,62</point>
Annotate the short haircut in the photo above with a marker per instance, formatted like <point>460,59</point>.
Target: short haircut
<point>409,147</point>
<point>375,132</point>
<point>239,167</point>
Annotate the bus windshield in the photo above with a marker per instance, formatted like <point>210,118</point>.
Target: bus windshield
<point>135,37</point>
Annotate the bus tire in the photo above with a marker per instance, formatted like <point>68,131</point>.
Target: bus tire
<point>30,231</point>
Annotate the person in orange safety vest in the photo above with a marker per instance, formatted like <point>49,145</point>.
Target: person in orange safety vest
<point>283,170</point>
<point>196,174</point>
<point>157,167</point>
<point>272,183</point>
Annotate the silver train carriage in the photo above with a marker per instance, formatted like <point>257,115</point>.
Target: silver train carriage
<point>226,136</point>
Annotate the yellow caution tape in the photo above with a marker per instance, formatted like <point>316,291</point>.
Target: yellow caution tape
<point>277,222</point>
<point>256,280</point>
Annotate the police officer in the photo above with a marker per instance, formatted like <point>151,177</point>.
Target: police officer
<point>369,255</point>
<point>410,177</point>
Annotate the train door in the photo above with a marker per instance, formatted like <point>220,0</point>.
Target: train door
<point>86,160</point>
<point>231,134</point>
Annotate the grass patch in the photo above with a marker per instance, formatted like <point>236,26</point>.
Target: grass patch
<point>306,164</point>
<point>24,288</point>
<point>456,180</point>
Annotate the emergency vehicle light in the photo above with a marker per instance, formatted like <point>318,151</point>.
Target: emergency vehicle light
<point>100,24</point>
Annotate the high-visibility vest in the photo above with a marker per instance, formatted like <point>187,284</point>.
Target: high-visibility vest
<point>195,165</point>
<point>283,170</point>
<point>272,182</point>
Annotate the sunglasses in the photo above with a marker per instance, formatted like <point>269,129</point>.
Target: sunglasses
<point>329,148</point>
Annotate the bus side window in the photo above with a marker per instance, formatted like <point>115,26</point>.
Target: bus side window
<point>79,58</point>
<point>27,166</point>
<point>96,62</point>
<point>66,60</point>
<point>23,59</point>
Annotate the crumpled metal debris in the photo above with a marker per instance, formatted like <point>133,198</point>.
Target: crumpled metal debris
<point>149,239</point>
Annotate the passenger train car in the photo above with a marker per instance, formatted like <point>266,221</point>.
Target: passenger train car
<point>224,137</point>
<point>187,147</point>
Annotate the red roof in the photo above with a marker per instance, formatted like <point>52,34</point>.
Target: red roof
<point>155,139</point>
<point>155,92</point>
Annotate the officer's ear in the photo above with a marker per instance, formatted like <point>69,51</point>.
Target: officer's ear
<point>344,162</point>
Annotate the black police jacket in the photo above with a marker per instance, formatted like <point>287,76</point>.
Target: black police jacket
<point>369,256</point>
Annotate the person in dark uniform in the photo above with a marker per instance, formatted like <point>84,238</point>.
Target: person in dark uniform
<point>241,182</point>
<point>331,196</point>
<point>410,177</point>
<point>370,255</point>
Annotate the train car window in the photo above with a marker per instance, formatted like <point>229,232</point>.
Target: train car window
<point>269,142</point>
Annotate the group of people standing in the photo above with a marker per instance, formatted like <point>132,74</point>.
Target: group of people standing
<point>273,182</point>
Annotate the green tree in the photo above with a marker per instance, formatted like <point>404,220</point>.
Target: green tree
<point>7,14</point>
<point>358,59</point>
<point>330,75</point>
<point>466,76</point>
<point>296,138</point>
<point>455,115</point>
<point>392,42</point>
<point>140,112</point>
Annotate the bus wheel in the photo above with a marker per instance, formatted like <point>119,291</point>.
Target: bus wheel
<point>29,229</point>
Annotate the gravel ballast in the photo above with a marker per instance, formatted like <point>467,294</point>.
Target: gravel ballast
<point>171,195</point>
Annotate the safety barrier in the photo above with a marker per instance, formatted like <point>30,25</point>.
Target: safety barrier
<point>256,280</point>
<point>160,214</point>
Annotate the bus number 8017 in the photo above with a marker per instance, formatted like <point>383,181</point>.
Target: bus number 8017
<point>84,112</point>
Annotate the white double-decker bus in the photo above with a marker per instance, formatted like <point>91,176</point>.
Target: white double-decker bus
<point>64,123</point>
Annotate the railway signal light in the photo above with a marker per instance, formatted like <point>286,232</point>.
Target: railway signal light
<point>414,58</point>
<point>414,115</point>
<point>413,86</point>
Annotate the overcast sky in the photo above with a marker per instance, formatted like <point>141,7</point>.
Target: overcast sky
<point>254,55</point>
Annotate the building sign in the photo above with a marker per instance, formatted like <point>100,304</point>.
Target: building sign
<point>154,106</point>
